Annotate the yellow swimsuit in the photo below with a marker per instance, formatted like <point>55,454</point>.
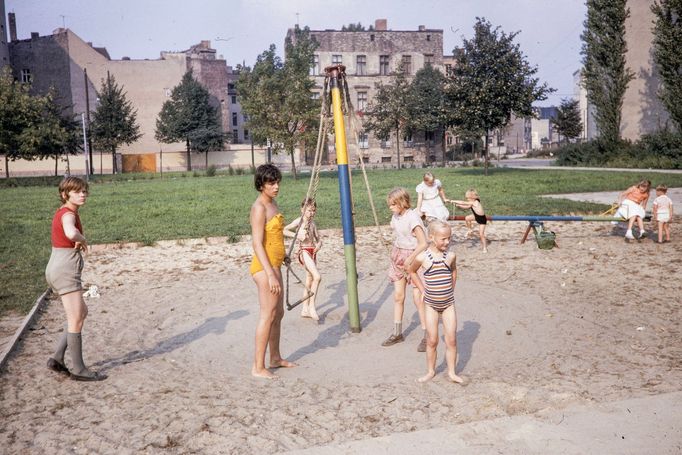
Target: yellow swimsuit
<point>273,241</point>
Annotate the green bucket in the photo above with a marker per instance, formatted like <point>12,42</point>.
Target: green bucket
<point>546,240</point>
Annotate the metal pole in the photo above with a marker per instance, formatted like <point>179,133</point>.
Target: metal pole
<point>85,148</point>
<point>345,196</point>
<point>91,169</point>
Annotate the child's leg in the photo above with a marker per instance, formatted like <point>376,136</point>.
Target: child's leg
<point>398,309</point>
<point>306,303</point>
<point>666,226</point>
<point>76,312</point>
<point>631,222</point>
<point>431,343</point>
<point>450,332</point>
<point>469,221</point>
<point>312,282</point>
<point>481,234</point>
<point>661,228</point>
<point>640,225</point>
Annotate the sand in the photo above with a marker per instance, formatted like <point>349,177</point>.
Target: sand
<point>594,321</point>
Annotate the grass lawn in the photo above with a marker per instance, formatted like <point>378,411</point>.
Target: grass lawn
<point>139,208</point>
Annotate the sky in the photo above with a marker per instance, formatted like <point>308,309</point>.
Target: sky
<point>549,30</point>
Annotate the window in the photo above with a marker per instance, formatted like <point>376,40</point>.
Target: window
<point>428,136</point>
<point>233,99</point>
<point>315,95</point>
<point>362,101</point>
<point>363,140</point>
<point>245,117</point>
<point>234,119</point>
<point>246,135</point>
<point>406,64</point>
<point>235,136</point>
<point>385,159</point>
<point>385,143</point>
<point>230,87</point>
<point>365,159</point>
<point>408,159</point>
<point>384,70</point>
<point>407,140</point>
<point>428,59</point>
<point>26,76</point>
<point>361,62</point>
<point>448,69</point>
<point>428,37</point>
<point>337,59</point>
<point>432,158</point>
<point>371,37</point>
<point>315,67</point>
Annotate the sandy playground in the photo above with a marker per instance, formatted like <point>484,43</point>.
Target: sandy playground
<point>595,321</point>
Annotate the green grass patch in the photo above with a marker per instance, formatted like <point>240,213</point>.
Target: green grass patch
<point>136,208</point>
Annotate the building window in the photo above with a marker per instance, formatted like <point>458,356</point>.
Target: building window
<point>428,59</point>
<point>235,136</point>
<point>246,135</point>
<point>371,37</point>
<point>337,59</point>
<point>233,99</point>
<point>385,143</point>
<point>385,159</point>
<point>406,64</point>
<point>245,117</point>
<point>407,140</point>
<point>363,140</point>
<point>315,67</point>
<point>234,119</point>
<point>362,101</point>
<point>384,69</point>
<point>230,87</point>
<point>26,76</point>
<point>408,159</point>
<point>365,159</point>
<point>315,95</point>
<point>428,136</point>
<point>428,37</point>
<point>361,62</point>
<point>448,69</point>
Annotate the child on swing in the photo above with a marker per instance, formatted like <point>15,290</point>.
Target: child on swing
<point>437,285</point>
<point>473,202</point>
<point>410,240</point>
<point>308,246</point>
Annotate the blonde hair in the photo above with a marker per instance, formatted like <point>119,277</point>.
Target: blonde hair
<point>471,193</point>
<point>70,184</point>
<point>438,226</point>
<point>428,177</point>
<point>646,183</point>
<point>662,188</point>
<point>400,197</point>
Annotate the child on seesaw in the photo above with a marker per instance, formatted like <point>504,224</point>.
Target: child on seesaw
<point>309,244</point>
<point>438,290</point>
<point>473,202</point>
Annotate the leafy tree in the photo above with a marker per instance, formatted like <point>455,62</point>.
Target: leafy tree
<point>429,108</point>
<point>114,122</point>
<point>567,122</point>
<point>188,116</point>
<point>491,81</point>
<point>18,111</point>
<point>356,28</point>
<point>277,96</point>
<point>667,55</point>
<point>605,76</point>
<point>389,111</point>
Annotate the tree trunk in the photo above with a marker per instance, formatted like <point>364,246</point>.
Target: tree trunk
<point>114,165</point>
<point>189,157</point>
<point>485,153</point>
<point>56,164</point>
<point>397,144</point>
<point>206,159</point>
<point>293,163</point>
<point>443,145</point>
<point>6,167</point>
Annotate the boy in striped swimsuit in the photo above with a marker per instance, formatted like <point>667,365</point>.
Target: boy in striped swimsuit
<point>438,289</point>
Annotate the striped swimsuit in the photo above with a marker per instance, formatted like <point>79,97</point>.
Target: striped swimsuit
<point>440,294</point>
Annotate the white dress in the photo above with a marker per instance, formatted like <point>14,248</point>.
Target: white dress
<point>662,206</point>
<point>432,204</point>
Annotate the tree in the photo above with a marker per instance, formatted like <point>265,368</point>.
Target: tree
<point>567,122</point>
<point>188,116</point>
<point>355,28</point>
<point>605,76</point>
<point>389,111</point>
<point>491,81</point>
<point>429,109</point>
<point>114,122</point>
<point>667,55</point>
<point>277,96</point>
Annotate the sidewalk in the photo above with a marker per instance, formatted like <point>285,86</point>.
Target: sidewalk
<point>649,425</point>
<point>533,163</point>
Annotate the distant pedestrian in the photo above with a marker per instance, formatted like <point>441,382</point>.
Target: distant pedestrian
<point>663,212</point>
<point>63,274</point>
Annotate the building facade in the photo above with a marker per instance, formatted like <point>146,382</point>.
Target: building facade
<point>371,57</point>
<point>4,48</point>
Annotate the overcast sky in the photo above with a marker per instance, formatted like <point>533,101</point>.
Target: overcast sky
<point>241,29</point>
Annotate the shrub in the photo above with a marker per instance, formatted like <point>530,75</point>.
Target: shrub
<point>210,171</point>
<point>230,170</point>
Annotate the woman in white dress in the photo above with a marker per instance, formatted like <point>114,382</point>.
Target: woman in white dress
<point>431,199</point>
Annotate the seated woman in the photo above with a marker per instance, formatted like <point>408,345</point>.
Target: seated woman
<point>633,206</point>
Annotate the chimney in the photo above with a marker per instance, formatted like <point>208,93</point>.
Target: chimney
<point>380,25</point>
<point>205,44</point>
<point>12,27</point>
<point>422,28</point>
<point>35,35</point>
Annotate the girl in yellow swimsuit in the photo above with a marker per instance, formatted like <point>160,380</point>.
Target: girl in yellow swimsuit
<point>267,225</point>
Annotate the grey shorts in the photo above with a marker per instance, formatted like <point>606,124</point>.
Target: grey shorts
<point>63,272</point>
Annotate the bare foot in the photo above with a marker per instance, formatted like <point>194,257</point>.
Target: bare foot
<point>485,250</point>
<point>263,374</point>
<point>305,312</point>
<point>281,363</point>
<point>454,378</point>
<point>427,377</point>
<point>313,314</point>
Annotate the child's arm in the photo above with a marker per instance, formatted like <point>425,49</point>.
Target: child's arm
<point>290,229</point>
<point>463,204</point>
<point>420,199</point>
<point>453,267</point>
<point>414,266</point>
<point>654,211</point>
<point>671,212</point>
<point>418,232</point>
<point>316,236</point>
<point>72,233</point>
<point>441,193</point>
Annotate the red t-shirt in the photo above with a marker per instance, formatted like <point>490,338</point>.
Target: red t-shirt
<point>59,239</point>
